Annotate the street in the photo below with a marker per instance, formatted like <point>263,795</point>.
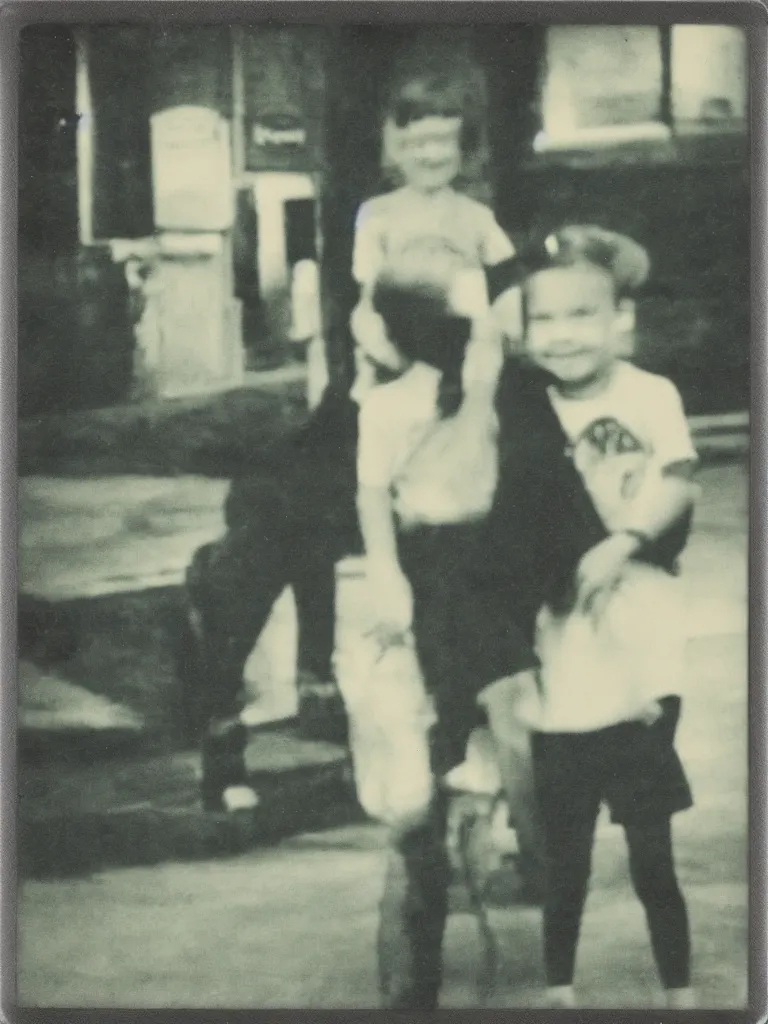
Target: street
<point>225,233</point>
<point>294,925</point>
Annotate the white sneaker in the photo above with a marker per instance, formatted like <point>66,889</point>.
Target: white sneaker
<point>561,997</point>
<point>240,798</point>
<point>681,998</point>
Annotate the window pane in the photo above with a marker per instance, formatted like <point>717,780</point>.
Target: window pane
<point>600,76</point>
<point>709,73</point>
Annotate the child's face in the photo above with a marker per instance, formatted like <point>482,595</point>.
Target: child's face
<point>429,152</point>
<point>571,322</point>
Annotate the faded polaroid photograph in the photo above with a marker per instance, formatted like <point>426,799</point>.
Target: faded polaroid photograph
<point>383,430</point>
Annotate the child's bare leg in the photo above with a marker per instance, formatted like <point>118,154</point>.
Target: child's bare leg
<point>503,703</point>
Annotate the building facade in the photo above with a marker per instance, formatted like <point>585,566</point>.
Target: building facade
<point>172,179</point>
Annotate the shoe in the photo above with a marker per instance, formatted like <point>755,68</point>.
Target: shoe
<point>560,997</point>
<point>239,798</point>
<point>224,773</point>
<point>681,998</point>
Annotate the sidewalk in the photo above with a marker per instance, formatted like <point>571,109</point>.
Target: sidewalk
<point>86,539</point>
<point>203,934</point>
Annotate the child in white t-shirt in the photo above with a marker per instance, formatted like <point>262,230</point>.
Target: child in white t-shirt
<point>611,662</point>
<point>424,232</point>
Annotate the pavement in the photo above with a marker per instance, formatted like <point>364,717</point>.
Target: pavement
<point>97,536</point>
<point>133,898</point>
<point>292,924</point>
<point>103,793</point>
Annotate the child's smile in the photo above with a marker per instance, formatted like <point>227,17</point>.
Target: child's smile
<point>571,323</point>
<point>430,152</point>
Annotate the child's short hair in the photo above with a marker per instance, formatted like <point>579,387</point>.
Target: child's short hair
<point>420,323</point>
<point>624,260</point>
<point>433,94</point>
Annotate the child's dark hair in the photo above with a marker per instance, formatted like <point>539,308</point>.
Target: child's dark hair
<point>433,94</point>
<point>623,260</point>
<point>421,326</point>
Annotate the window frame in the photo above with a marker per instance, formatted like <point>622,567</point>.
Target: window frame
<point>659,134</point>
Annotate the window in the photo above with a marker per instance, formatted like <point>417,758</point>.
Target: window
<point>708,76</point>
<point>124,74</point>
<point>606,84</point>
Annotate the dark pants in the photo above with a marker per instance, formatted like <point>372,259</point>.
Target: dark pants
<point>653,878</point>
<point>287,526</point>
<point>635,769</point>
<point>467,635</point>
<point>468,629</point>
<point>232,586</point>
<point>413,912</point>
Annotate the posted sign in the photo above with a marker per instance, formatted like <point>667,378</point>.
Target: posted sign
<point>191,170</point>
<point>276,142</point>
<point>283,96</point>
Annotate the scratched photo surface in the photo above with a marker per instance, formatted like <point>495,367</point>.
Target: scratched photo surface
<point>383,426</point>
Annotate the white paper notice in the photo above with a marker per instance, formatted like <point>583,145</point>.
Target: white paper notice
<point>191,170</point>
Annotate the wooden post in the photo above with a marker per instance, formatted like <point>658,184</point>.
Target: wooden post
<point>512,57</point>
<point>358,60</point>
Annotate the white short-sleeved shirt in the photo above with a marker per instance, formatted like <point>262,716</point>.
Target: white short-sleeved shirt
<point>418,235</point>
<point>421,238</point>
<point>598,673</point>
<point>636,426</point>
<point>394,419</point>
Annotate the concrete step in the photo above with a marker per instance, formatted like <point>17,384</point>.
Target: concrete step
<point>49,703</point>
<point>140,810</point>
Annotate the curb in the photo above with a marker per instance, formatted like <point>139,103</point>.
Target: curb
<point>72,844</point>
<point>723,435</point>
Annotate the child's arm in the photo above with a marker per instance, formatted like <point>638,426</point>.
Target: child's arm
<point>367,326</point>
<point>370,333</point>
<point>667,493</point>
<point>392,602</point>
<point>661,503</point>
<point>506,305</point>
<point>495,243</point>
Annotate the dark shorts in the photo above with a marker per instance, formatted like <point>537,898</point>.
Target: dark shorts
<point>632,767</point>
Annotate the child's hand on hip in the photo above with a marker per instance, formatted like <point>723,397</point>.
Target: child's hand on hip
<point>600,570</point>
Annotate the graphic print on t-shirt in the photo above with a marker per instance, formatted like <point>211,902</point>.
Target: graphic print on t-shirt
<point>612,461</point>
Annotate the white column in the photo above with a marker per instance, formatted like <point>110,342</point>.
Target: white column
<point>84,111</point>
<point>271,191</point>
